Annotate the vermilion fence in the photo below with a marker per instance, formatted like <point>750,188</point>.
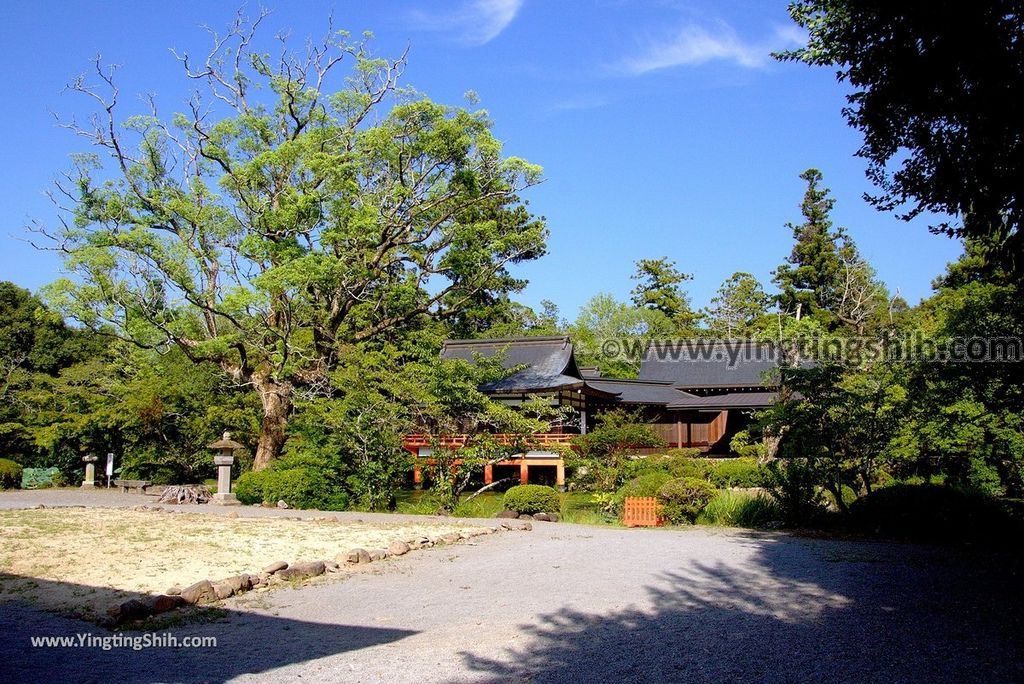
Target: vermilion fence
<point>641,511</point>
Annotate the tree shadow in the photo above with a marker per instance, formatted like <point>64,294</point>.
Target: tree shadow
<point>247,643</point>
<point>868,613</point>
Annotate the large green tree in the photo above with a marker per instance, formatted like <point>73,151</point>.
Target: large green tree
<point>936,89</point>
<point>660,288</point>
<point>290,211</point>
<point>737,308</point>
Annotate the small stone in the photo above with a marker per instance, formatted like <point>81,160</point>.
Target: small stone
<point>132,609</point>
<point>527,527</point>
<point>526,516</point>
<point>300,571</point>
<point>506,514</point>
<point>282,504</point>
<point>378,554</point>
<point>331,566</point>
<point>358,556</point>
<point>275,567</point>
<point>542,516</point>
<point>223,590</point>
<point>164,602</point>
<point>174,591</point>
<point>398,548</point>
<point>476,532</point>
<point>238,583</point>
<point>200,592</point>
<point>506,526</point>
<point>451,538</point>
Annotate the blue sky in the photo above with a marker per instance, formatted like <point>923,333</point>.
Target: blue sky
<point>664,128</point>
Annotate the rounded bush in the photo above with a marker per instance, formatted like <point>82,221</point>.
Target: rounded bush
<point>934,513</point>
<point>532,499</point>
<point>683,499</point>
<point>644,485</point>
<point>10,474</point>
<point>297,487</point>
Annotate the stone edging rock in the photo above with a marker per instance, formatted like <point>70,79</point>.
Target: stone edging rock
<point>205,592</point>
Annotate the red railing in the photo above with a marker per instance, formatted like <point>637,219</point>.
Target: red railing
<point>455,441</point>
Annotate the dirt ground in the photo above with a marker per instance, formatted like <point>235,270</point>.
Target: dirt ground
<point>100,554</point>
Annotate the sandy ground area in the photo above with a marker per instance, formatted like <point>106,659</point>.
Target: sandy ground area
<point>98,555</point>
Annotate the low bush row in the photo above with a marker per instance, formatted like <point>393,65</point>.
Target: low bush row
<point>298,487</point>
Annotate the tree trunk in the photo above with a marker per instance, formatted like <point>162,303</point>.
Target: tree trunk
<point>277,406</point>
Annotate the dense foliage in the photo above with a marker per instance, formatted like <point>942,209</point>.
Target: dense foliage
<point>10,474</point>
<point>682,499</point>
<point>930,87</point>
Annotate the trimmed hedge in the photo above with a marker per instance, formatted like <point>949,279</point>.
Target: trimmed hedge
<point>10,474</point>
<point>297,487</point>
<point>741,471</point>
<point>684,498</point>
<point>936,513</point>
<point>530,499</point>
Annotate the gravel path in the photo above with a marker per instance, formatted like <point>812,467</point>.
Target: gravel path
<point>579,604</point>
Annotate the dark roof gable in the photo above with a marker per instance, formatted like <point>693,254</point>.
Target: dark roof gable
<point>549,362</point>
<point>710,364</point>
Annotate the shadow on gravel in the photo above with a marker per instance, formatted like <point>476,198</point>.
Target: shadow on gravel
<point>246,643</point>
<point>858,613</point>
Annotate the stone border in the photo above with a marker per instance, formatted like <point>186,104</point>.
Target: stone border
<point>207,592</point>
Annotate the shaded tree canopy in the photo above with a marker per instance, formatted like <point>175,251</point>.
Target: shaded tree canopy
<point>937,93</point>
<point>291,210</point>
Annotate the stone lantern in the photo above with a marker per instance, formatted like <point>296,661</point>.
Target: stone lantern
<point>90,471</point>
<point>224,458</point>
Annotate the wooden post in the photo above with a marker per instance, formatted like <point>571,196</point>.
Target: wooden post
<point>524,472</point>
<point>679,431</point>
<point>417,477</point>
<point>560,475</point>
<point>488,474</point>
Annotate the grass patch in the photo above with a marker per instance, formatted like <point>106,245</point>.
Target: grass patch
<point>739,509</point>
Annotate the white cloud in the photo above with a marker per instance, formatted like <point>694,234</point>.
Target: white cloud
<point>693,45</point>
<point>473,22</point>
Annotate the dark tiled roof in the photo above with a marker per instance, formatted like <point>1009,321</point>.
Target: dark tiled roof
<point>732,400</point>
<point>640,391</point>
<point>701,364</point>
<point>549,362</point>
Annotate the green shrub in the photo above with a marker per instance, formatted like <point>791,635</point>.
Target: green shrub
<point>793,484</point>
<point>688,466</point>
<point>41,478</point>
<point>684,498</point>
<point>736,472</point>
<point>645,485</point>
<point>740,509</point>
<point>10,474</point>
<point>532,499</point>
<point>297,487</point>
<point>934,513</point>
